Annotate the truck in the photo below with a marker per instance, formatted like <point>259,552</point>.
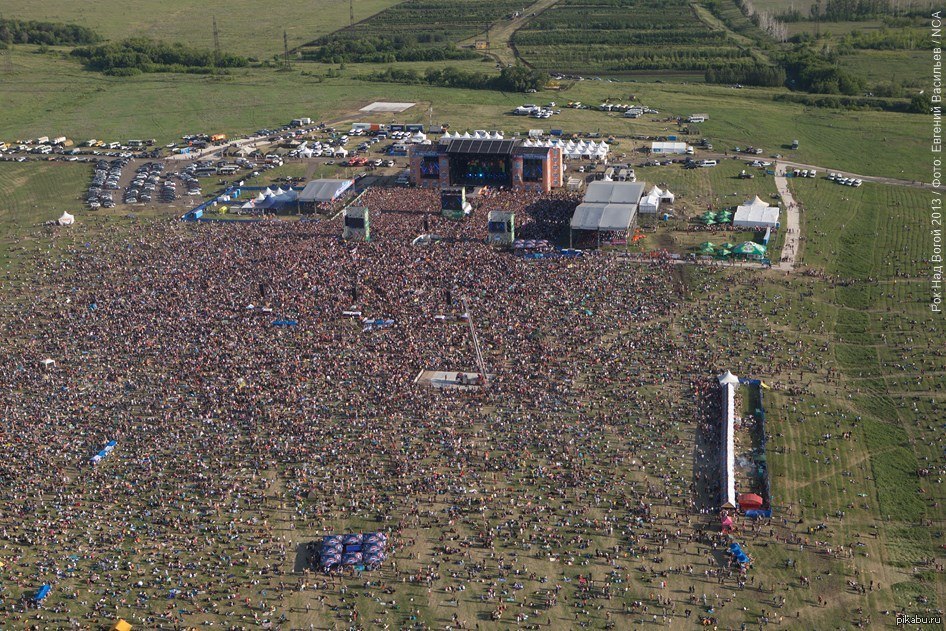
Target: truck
<point>218,138</point>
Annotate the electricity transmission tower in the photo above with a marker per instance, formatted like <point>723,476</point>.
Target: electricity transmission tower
<point>285,48</point>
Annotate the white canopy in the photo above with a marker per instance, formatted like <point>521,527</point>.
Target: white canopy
<point>66,219</point>
<point>728,377</point>
<point>756,213</point>
<point>651,203</point>
<point>727,478</point>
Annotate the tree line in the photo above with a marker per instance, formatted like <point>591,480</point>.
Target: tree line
<point>139,54</point>
<point>510,79</point>
<point>385,49</point>
<point>45,33</point>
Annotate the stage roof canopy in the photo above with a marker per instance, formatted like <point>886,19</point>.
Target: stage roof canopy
<point>487,147</point>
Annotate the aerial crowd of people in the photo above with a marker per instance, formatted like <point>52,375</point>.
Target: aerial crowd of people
<point>571,489</point>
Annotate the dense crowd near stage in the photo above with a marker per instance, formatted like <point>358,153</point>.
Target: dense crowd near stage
<point>555,495</point>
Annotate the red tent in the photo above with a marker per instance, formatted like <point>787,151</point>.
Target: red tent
<point>749,501</point>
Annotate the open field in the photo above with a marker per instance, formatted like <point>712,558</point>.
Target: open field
<point>48,92</point>
<point>245,28</point>
<point>905,67</point>
<point>837,219</point>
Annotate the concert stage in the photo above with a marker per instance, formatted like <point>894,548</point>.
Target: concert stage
<point>495,163</point>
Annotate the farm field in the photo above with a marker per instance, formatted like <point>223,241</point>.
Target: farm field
<point>245,27</point>
<point>416,24</point>
<point>623,36</point>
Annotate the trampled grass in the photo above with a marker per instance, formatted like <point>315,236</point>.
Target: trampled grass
<point>33,193</point>
<point>873,231</point>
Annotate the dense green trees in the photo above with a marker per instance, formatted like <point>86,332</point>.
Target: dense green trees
<point>511,79</point>
<point>384,49</point>
<point>48,33</point>
<point>758,75</point>
<point>140,54</point>
<point>808,71</point>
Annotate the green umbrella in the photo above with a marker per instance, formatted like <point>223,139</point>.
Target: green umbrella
<point>749,248</point>
<point>726,246</point>
<point>707,248</point>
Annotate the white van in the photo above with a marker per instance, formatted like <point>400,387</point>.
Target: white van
<point>708,163</point>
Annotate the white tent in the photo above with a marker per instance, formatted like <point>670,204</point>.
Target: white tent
<point>48,363</point>
<point>66,219</point>
<point>651,202</point>
<point>668,147</point>
<point>728,383</point>
<point>418,138</point>
<point>755,214</point>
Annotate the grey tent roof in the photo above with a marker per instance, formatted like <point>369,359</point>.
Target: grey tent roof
<point>597,216</point>
<point>608,206</point>
<point>323,190</point>
<point>606,192</point>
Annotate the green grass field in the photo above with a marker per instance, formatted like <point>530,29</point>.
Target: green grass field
<point>905,67</point>
<point>838,219</point>
<point>245,28</point>
<point>50,95</point>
